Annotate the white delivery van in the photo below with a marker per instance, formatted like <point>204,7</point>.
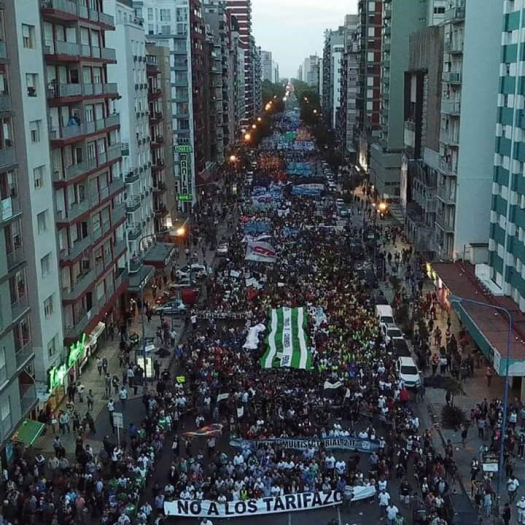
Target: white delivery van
<point>385,314</point>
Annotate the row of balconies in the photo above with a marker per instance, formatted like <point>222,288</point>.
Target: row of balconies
<point>69,7</point>
<point>55,90</point>
<point>87,165</point>
<point>78,51</point>
<point>84,128</point>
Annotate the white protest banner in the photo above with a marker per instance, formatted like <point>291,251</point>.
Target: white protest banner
<point>260,252</point>
<point>359,493</point>
<point>328,385</point>
<point>253,507</point>
<point>221,397</point>
<point>240,412</point>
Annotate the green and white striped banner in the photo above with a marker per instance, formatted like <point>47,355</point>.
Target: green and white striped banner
<point>287,342</point>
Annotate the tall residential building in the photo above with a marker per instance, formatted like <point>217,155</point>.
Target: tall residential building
<point>257,79</point>
<point>17,290</point>
<point>400,18</point>
<point>161,118</point>
<point>68,141</point>
<point>507,218</point>
<point>349,85</point>
<point>369,92</point>
<point>471,65</point>
<point>275,72</point>
<point>300,73</point>
<point>267,65</point>
<point>242,10</point>
<point>129,73</point>
<point>333,56</point>
<point>420,159</point>
<point>311,70</point>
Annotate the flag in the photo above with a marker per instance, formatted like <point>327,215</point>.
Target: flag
<point>207,431</point>
<point>260,252</point>
<point>328,385</point>
<point>287,342</point>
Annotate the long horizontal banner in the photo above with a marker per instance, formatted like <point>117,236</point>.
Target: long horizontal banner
<point>336,443</point>
<point>253,507</point>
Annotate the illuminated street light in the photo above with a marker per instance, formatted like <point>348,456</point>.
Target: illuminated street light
<point>247,136</point>
<point>254,126</point>
<point>382,206</point>
<point>181,231</point>
<point>233,158</point>
<point>315,111</point>
<point>259,119</point>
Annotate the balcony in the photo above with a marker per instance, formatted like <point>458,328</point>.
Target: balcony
<point>121,278</point>
<point>9,209</point>
<point>78,247</point>
<point>28,400</point>
<point>125,149</point>
<point>119,247</point>
<point>453,47</point>
<point>152,69</point>
<point>451,107</point>
<point>134,231</point>
<point>15,258</point>
<point>118,213</point>
<point>73,52</point>
<point>79,91</point>
<point>133,204</point>
<point>74,132</point>
<point>24,354</point>
<point>19,308</point>
<point>161,210</point>
<point>5,103</point>
<point>71,11</point>
<point>157,166</point>
<point>75,291</point>
<point>455,15</point>
<point>86,166</point>
<point>449,167</point>
<point>155,93</point>
<point>450,137</point>
<point>160,187</point>
<point>157,142</point>
<point>74,212</point>
<point>132,176</point>
<point>7,156</point>
<point>446,224</point>
<point>155,117</point>
<point>446,195</point>
<point>62,49</point>
<point>452,77</point>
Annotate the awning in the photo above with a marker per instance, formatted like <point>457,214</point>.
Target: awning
<point>140,278</point>
<point>159,255</point>
<point>96,333</point>
<point>28,432</point>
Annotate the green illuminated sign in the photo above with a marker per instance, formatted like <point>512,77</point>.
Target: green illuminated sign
<point>58,373</point>
<point>185,197</point>
<point>183,149</point>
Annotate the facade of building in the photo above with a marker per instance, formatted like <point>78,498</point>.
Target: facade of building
<point>506,245</point>
<point>333,55</point>
<point>471,62</point>
<point>17,352</point>
<point>257,79</point>
<point>420,160</point>
<point>399,20</point>
<point>369,90</point>
<point>275,72</point>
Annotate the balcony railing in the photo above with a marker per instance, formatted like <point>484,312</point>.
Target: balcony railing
<point>120,278</point>
<point>85,128</point>
<point>58,47</point>
<point>450,137</point>
<point>135,231</point>
<point>24,354</point>
<point>445,223</point>
<point>5,103</point>
<point>20,307</point>
<point>15,257</point>
<point>447,166</point>
<point>80,90</point>
<point>456,14</point>
<point>118,213</point>
<point>447,195</point>
<point>453,46</point>
<point>451,107</point>
<point>133,203</point>
<point>76,249</point>
<point>7,156</point>
<point>74,291</point>
<point>9,208</point>
<point>452,77</point>
<point>74,211</point>
<point>28,400</point>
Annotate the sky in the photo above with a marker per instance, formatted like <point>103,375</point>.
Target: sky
<point>294,29</point>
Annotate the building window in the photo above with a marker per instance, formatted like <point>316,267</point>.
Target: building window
<point>38,176</point>
<point>150,13</point>
<point>165,15</point>
<point>35,127</point>
<point>41,220</point>
<point>45,264</point>
<point>3,366</point>
<point>31,84</point>
<point>48,306</point>
<point>439,10</point>
<point>7,422</point>
<point>52,347</point>
<point>28,36</point>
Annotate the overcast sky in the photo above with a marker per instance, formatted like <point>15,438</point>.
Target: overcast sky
<point>294,29</point>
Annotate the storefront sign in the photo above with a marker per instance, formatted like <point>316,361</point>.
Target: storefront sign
<point>185,197</point>
<point>253,507</point>
<point>57,374</point>
<point>183,149</point>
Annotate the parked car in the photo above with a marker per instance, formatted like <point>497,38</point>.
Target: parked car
<point>173,307</point>
<point>391,333</point>
<point>198,270</point>
<point>408,372</point>
<point>183,284</point>
<point>400,348</point>
<point>223,249</point>
<point>344,212</point>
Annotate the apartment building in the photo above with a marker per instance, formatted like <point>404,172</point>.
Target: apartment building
<point>17,354</point>
<point>267,65</point>
<point>257,78</point>
<point>333,55</point>
<point>368,102</point>
<point>471,63</point>
<point>399,20</point>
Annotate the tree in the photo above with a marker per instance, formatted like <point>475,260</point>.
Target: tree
<point>455,388</point>
<point>271,90</point>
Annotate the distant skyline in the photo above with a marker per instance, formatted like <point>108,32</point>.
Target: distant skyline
<point>294,29</point>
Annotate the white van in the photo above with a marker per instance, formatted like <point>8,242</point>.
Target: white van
<point>385,314</point>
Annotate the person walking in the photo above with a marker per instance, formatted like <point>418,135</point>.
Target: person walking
<point>111,410</point>
<point>99,366</point>
<point>107,385</point>
<point>80,391</point>
<point>123,396</point>
<point>90,400</point>
<point>506,514</point>
<point>488,375</point>
<point>512,488</point>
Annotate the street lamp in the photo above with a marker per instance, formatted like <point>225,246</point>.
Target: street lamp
<point>233,158</point>
<point>259,119</point>
<point>247,137</point>
<point>254,126</point>
<point>460,300</point>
